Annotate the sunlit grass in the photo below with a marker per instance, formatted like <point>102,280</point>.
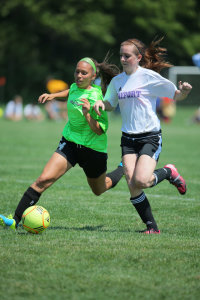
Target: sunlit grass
<point>92,249</point>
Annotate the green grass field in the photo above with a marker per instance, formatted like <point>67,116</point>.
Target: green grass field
<point>92,249</point>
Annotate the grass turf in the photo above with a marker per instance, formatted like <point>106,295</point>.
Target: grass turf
<point>92,249</point>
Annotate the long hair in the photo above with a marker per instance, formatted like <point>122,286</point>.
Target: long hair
<point>106,71</point>
<point>153,57</point>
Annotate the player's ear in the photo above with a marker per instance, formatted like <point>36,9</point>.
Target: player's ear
<point>139,57</point>
<point>94,76</point>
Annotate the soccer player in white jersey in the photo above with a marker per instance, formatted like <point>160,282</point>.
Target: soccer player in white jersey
<point>136,90</point>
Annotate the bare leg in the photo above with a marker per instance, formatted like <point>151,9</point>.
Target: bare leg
<point>100,185</point>
<point>139,174</point>
<point>105,181</point>
<point>54,169</point>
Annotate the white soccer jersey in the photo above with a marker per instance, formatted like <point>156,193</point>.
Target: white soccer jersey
<point>136,95</point>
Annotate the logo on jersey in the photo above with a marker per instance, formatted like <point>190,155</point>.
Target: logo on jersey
<point>74,102</point>
<point>130,94</point>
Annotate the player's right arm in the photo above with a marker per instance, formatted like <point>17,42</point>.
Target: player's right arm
<point>110,99</point>
<point>104,105</point>
<point>48,97</point>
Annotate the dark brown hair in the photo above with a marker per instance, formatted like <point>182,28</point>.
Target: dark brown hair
<point>105,71</point>
<point>153,57</point>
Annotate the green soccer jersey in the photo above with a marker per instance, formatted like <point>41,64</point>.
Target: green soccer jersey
<point>77,129</point>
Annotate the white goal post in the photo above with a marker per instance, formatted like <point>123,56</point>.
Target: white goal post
<point>183,70</point>
<point>189,74</point>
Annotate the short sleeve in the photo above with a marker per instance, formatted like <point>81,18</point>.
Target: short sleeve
<point>102,120</point>
<point>111,94</point>
<point>162,87</point>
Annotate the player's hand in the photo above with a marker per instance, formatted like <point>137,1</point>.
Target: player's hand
<point>185,87</point>
<point>99,104</point>
<point>85,105</point>
<point>45,97</point>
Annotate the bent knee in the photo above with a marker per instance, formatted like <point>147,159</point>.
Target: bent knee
<point>44,181</point>
<point>97,192</point>
<point>141,182</point>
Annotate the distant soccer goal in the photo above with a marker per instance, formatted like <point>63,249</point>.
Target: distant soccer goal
<point>189,74</point>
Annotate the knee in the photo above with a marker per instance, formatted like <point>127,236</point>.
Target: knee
<point>97,192</point>
<point>140,182</point>
<point>43,181</point>
<point>98,188</point>
<point>137,182</point>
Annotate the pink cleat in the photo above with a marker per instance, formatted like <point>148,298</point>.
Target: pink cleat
<point>176,179</point>
<point>150,231</point>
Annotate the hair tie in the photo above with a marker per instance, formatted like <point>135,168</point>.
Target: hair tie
<point>90,61</point>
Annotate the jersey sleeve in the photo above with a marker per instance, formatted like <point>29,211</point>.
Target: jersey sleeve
<point>111,94</point>
<point>162,87</point>
<point>103,119</point>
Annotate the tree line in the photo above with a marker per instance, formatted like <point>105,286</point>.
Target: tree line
<point>43,39</point>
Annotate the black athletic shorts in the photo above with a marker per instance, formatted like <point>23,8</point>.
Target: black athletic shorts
<point>149,143</point>
<point>94,163</point>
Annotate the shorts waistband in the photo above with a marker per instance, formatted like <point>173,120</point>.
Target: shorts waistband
<point>141,135</point>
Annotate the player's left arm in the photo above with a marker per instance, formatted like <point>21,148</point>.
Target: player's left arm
<point>94,124</point>
<point>183,91</point>
<point>48,97</point>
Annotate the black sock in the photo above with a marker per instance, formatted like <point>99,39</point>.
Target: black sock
<point>116,175</point>
<point>161,174</point>
<point>143,208</point>
<point>29,198</point>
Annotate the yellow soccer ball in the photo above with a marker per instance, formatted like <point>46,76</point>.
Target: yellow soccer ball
<point>35,219</point>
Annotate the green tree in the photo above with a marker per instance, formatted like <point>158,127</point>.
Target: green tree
<point>46,38</point>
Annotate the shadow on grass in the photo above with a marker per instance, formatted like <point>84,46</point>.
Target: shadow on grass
<point>98,228</point>
<point>87,228</point>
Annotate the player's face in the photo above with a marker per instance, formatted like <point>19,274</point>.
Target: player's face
<point>129,60</point>
<point>84,75</point>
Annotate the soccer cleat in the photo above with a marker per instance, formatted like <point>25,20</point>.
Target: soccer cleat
<point>176,179</point>
<point>8,222</point>
<point>121,164</point>
<point>150,231</point>
<point>121,167</point>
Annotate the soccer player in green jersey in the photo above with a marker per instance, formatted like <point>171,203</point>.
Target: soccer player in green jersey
<point>84,139</point>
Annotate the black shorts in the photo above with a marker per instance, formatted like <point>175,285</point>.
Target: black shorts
<point>94,163</point>
<point>149,143</point>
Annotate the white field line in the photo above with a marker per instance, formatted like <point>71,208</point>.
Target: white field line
<point>117,192</point>
<point>183,198</point>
